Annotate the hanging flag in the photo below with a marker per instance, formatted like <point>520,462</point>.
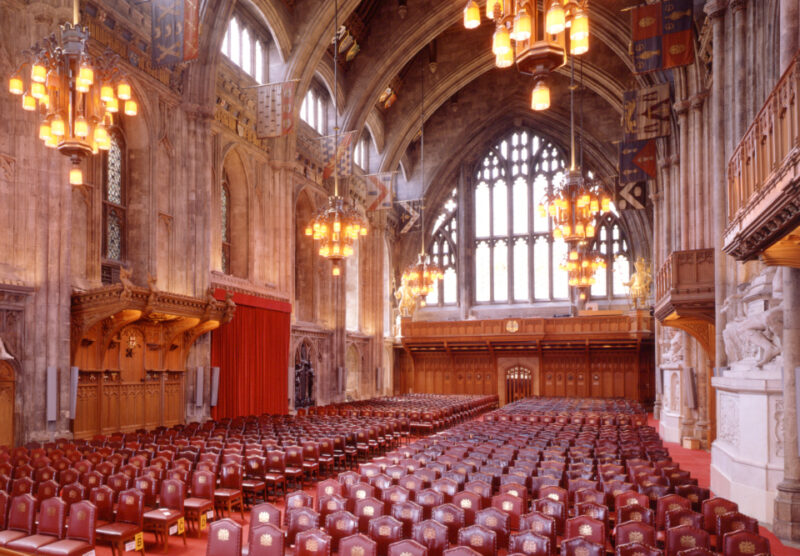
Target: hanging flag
<point>342,155</point>
<point>646,113</point>
<point>379,191</point>
<point>275,109</point>
<point>411,216</point>
<point>662,35</point>
<point>176,33</point>
<point>637,161</point>
<point>632,196</point>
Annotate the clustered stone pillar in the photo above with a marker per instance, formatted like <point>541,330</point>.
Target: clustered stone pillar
<point>787,502</point>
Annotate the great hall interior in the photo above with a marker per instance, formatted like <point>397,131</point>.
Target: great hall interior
<point>400,277</point>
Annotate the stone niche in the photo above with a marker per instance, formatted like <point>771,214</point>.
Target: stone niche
<point>671,357</point>
<point>747,456</point>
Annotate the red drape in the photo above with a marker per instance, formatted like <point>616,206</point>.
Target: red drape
<point>252,353</point>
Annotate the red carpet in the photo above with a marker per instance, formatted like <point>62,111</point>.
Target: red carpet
<point>698,463</point>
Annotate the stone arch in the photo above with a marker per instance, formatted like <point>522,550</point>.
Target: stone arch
<point>234,173</point>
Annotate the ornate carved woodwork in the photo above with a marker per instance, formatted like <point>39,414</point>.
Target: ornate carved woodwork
<point>764,178</point>
<point>685,295</point>
<point>131,345</point>
<point>597,356</point>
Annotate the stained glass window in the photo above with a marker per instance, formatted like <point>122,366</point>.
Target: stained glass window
<point>612,242</point>
<point>443,251</point>
<point>114,198</point>
<point>516,259</point>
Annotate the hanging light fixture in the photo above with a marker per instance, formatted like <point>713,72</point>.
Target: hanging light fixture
<point>574,207</point>
<point>421,276</point>
<point>337,227</point>
<point>539,31</point>
<point>73,92</point>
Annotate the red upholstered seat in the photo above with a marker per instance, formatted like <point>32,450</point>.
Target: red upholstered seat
<point>432,535</point>
<point>20,522</point>
<point>128,523</point>
<point>52,518</point>
<point>81,533</point>
<point>358,545</point>
<point>224,538</point>
<point>407,547</point>
<point>266,540</point>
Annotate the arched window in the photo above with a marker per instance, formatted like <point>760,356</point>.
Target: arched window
<point>245,45</point>
<point>115,200</point>
<point>313,109</point>
<point>516,258</point>
<point>225,218</point>
<point>613,244</point>
<point>443,251</point>
<point>361,152</point>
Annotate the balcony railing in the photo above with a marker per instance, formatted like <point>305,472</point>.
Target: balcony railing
<point>773,136</point>
<point>685,282</point>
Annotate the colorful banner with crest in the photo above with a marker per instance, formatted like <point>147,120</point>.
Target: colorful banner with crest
<point>176,33</point>
<point>275,109</point>
<point>662,35</point>
<point>341,155</point>
<point>646,113</point>
<point>379,191</point>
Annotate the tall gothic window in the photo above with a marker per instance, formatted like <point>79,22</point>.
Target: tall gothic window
<point>225,217</point>
<point>242,46</point>
<point>613,244</point>
<point>312,110</point>
<point>443,251</point>
<point>516,258</point>
<point>114,198</point>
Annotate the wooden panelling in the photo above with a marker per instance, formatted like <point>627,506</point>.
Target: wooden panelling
<point>6,404</point>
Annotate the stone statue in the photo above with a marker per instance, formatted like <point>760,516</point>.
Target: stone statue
<point>639,284</point>
<point>754,328</point>
<point>675,352</point>
<point>406,302</point>
<point>127,284</point>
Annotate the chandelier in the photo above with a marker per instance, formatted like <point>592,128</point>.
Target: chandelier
<point>581,265</point>
<point>536,51</point>
<point>337,227</point>
<point>421,277</point>
<point>574,207</point>
<point>75,93</point>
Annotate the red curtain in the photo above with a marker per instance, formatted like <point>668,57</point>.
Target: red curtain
<point>252,353</point>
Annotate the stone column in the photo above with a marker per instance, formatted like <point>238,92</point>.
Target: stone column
<point>787,502</point>
<point>682,110</point>
<point>465,270</point>
<point>740,64</point>
<point>699,173</point>
<point>715,9</point>
<point>789,24</point>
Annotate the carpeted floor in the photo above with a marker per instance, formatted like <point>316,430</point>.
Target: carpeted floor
<point>695,461</point>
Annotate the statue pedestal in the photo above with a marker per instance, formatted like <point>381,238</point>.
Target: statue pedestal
<point>747,456</point>
<point>670,416</point>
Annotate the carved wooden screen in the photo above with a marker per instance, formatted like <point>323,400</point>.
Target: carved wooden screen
<point>6,404</point>
<point>519,384</point>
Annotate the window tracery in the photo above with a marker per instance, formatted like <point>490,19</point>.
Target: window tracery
<point>114,198</point>
<point>443,251</point>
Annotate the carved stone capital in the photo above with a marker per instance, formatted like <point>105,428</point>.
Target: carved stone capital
<point>681,107</point>
<point>697,101</point>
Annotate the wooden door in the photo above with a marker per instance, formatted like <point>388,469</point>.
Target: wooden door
<point>519,384</point>
<point>6,404</point>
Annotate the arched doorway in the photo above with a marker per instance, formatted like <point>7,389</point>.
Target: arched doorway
<point>519,384</point>
<point>6,404</point>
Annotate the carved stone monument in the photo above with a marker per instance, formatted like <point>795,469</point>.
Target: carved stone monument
<point>747,456</point>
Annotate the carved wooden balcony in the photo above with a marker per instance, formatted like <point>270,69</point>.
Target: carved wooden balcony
<point>685,295</point>
<point>685,285</point>
<point>764,180</point>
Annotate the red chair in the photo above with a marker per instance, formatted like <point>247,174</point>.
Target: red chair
<point>669,503</point>
<point>201,503</point>
<point>128,522</point>
<point>20,521</point>
<point>495,520</point>
<point>384,531</point>
<point>480,539</point>
<point>313,542</point>
<point>276,472</point>
<point>470,503</point>
<point>167,519</point>
<point>742,543</point>
<point>452,517</point>
<point>556,510</point>
<point>684,516</point>
<point>366,509</point>
<point>229,494</point>
<point>735,521</point>
<point>432,535</point>
<point>407,547</point>
<point>713,508</point>
<point>530,544</point>
<point>637,549</point>
<point>103,499</point>
<point>224,538</point>
<point>266,540</point>
<point>635,532</point>
<point>540,524</point>
<point>299,520</point>
<point>587,527</point>
<point>253,483</point>
<point>408,513</point>
<point>579,546</point>
<point>358,545</point>
<point>339,525</point>
<point>52,518</point>
<point>72,493</point>
<point>685,537</point>
<point>329,487</point>
<point>81,533</point>
<point>512,505</point>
